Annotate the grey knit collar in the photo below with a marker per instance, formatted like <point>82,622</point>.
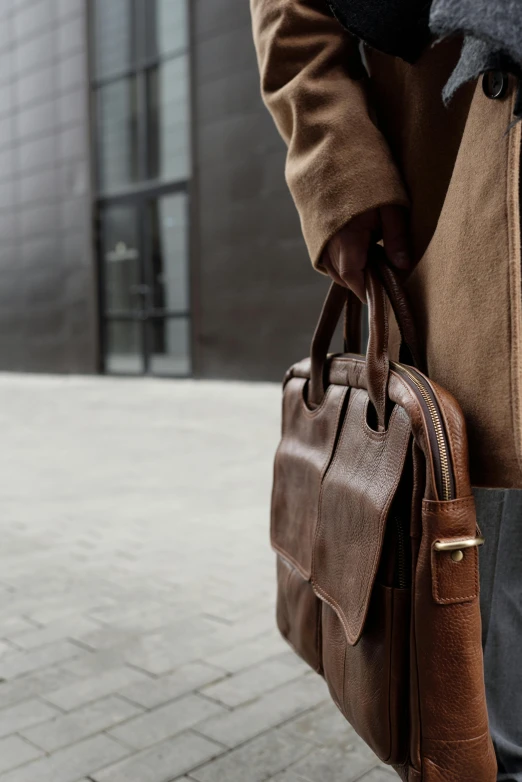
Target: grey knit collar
<point>492,33</point>
<point>497,23</point>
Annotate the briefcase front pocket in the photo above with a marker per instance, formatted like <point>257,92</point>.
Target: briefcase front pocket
<point>298,613</point>
<point>360,572</point>
<point>303,456</point>
<point>343,600</point>
<point>369,681</point>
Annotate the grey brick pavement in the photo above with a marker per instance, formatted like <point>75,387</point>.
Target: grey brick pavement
<point>137,638</point>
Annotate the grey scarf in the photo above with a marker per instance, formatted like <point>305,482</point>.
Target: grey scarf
<point>491,29</point>
<point>492,32</point>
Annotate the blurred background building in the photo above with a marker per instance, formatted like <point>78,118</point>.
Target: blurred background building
<point>145,226</point>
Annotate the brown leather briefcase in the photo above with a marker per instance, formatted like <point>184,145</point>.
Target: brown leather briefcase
<point>374,526</point>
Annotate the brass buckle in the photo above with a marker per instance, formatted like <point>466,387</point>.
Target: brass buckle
<point>457,545</point>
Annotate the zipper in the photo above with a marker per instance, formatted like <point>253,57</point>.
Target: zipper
<point>437,431</point>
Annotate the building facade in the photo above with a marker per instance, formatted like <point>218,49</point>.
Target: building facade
<point>144,219</point>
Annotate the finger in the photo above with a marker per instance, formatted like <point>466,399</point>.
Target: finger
<point>356,282</point>
<point>353,257</point>
<point>331,270</point>
<point>394,220</point>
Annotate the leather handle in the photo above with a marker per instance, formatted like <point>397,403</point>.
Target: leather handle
<point>391,279</point>
<point>382,284</point>
<point>333,306</point>
<point>353,324</point>
<point>337,299</point>
<point>377,358</point>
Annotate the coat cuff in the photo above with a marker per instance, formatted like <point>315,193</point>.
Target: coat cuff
<point>338,163</point>
<point>342,184</point>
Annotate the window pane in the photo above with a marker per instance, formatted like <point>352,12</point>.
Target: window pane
<point>169,232</point>
<point>170,346</point>
<point>117,134</point>
<point>168,107</point>
<point>121,260</point>
<point>123,347</point>
<point>167,26</point>
<point>113,36</point>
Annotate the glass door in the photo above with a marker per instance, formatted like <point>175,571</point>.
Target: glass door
<point>140,77</point>
<point>145,286</point>
<point>168,332</point>
<point>123,290</point>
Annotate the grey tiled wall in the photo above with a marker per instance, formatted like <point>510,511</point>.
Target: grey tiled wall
<point>256,296</point>
<point>47,286</point>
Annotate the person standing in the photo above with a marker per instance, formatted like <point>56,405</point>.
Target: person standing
<point>402,125</point>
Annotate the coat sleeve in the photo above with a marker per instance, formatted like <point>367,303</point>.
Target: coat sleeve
<point>338,163</point>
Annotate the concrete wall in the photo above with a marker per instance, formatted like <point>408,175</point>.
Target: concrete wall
<point>47,299</point>
<point>256,296</point>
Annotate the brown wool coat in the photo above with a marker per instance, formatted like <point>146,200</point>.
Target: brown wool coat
<point>354,144</point>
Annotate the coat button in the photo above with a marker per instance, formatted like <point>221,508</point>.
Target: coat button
<point>495,84</point>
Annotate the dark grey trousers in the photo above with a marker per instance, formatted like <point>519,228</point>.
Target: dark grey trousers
<point>500,519</point>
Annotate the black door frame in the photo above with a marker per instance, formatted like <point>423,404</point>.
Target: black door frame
<point>145,189</point>
<point>139,197</point>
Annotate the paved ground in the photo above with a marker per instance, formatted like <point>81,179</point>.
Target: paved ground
<point>136,592</point>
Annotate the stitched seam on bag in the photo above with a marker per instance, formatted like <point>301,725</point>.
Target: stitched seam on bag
<point>444,507</point>
<point>287,589</point>
<point>436,590</point>
<point>285,598</point>
<point>330,455</point>
<point>323,593</point>
<point>482,735</point>
<point>318,640</point>
<point>455,599</point>
<point>415,684</point>
<point>447,510</point>
<point>324,472</point>
<point>337,608</point>
<point>325,464</point>
<point>288,622</point>
<point>343,681</point>
<point>324,468</point>
<point>291,560</point>
<point>434,765</point>
<point>390,662</point>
